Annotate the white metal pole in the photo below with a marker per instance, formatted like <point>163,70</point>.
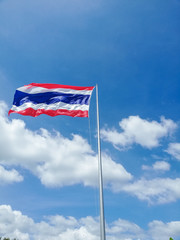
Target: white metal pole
<point>101,199</point>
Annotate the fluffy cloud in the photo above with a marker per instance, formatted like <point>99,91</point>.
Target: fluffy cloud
<point>161,165</point>
<point>16,225</point>
<point>123,229</point>
<point>136,130</point>
<point>174,150</point>
<point>54,159</point>
<point>9,176</point>
<point>158,166</point>
<point>155,191</point>
<point>159,230</point>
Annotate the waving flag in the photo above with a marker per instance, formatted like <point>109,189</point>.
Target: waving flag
<point>52,99</point>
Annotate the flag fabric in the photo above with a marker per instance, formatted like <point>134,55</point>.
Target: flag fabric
<point>52,99</point>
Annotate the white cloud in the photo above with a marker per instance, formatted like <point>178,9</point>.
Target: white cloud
<point>9,176</point>
<point>174,150</point>
<point>160,231</point>
<point>155,191</point>
<point>136,130</point>
<point>16,225</point>
<point>123,229</point>
<point>158,166</point>
<point>54,159</point>
<point>161,165</point>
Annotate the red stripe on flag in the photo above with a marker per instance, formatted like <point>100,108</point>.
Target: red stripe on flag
<point>51,86</point>
<point>52,113</point>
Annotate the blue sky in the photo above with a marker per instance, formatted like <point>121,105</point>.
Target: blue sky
<point>48,166</point>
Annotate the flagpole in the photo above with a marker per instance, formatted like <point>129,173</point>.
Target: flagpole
<point>102,219</point>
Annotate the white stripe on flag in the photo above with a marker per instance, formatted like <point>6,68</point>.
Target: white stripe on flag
<point>34,90</point>
<point>55,106</point>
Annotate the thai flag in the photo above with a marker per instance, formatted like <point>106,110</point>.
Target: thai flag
<point>52,99</point>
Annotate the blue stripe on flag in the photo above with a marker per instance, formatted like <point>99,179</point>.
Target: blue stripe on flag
<point>49,98</point>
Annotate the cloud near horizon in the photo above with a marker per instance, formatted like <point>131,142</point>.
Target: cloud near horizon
<point>14,224</point>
